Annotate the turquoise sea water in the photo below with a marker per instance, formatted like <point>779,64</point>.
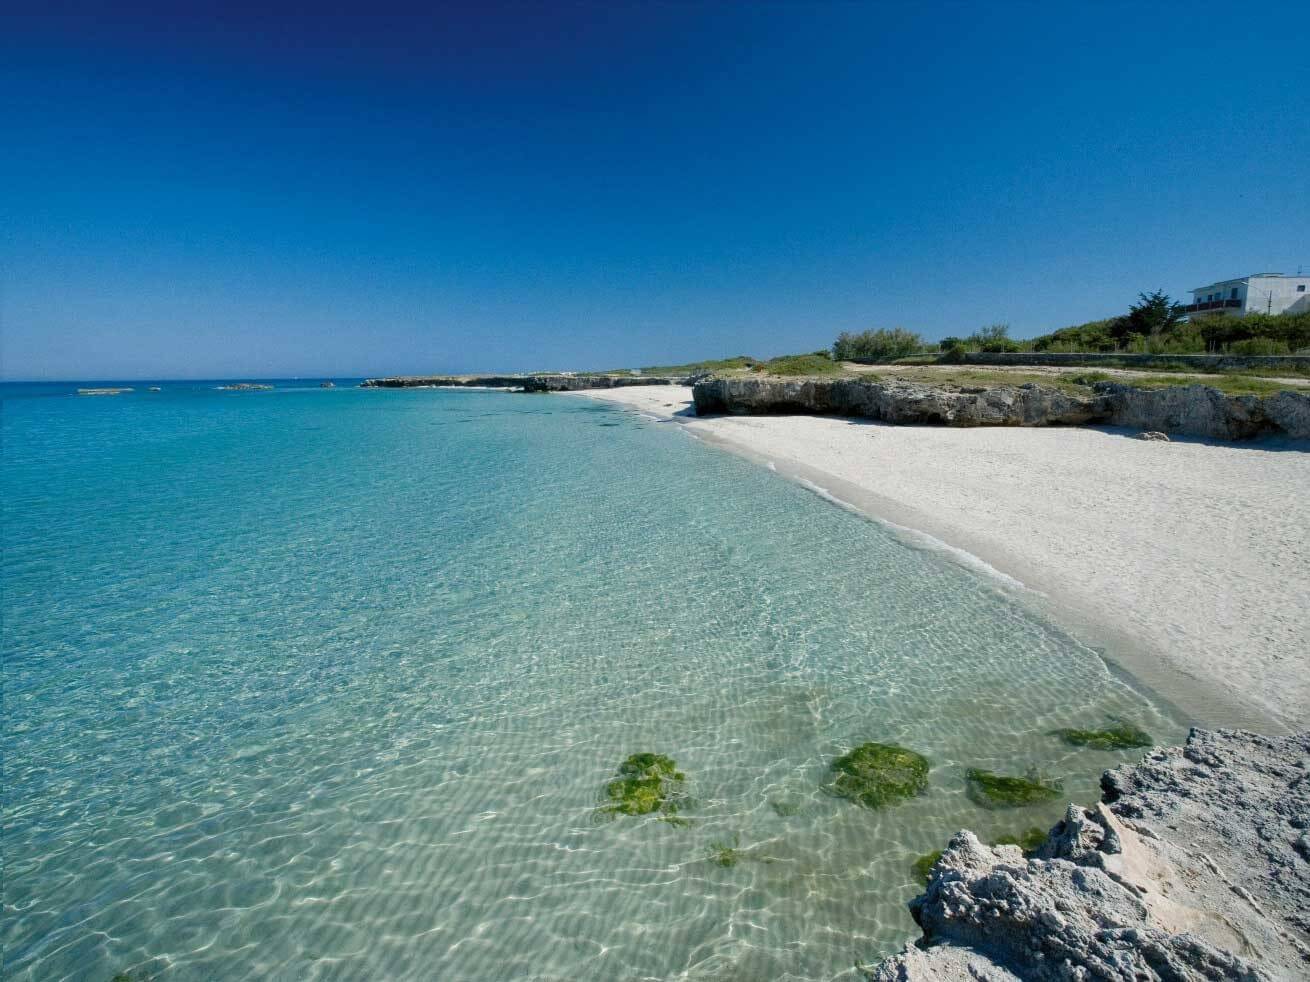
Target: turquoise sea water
<point>325,684</point>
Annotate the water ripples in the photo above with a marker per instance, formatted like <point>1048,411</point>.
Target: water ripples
<point>303,687</point>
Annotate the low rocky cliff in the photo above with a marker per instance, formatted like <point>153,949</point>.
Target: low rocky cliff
<point>1195,865</point>
<point>528,383</point>
<point>1193,410</point>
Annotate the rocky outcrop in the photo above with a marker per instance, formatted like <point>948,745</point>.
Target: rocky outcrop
<point>1198,410</point>
<point>528,383</point>
<point>1192,867</point>
<point>1194,410</point>
<point>897,401</point>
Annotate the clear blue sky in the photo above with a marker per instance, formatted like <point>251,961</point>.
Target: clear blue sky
<point>248,192</point>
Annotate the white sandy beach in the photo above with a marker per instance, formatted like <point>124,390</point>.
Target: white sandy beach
<point>1187,562</point>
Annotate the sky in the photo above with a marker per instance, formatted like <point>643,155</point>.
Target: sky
<point>208,191</point>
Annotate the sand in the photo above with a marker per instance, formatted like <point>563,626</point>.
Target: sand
<point>1186,563</point>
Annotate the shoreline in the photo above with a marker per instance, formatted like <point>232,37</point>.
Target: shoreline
<point>1139,561</point>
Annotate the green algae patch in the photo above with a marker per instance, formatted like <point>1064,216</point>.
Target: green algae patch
<point>923,865</point>
<point>877,774</point>
<point>1028,840</point>
<point>990,790</point>
<point>1120,736</point>
<point>726,854</point>
<point>647,784</point>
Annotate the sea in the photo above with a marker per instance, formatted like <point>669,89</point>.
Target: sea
<point>318,683</point>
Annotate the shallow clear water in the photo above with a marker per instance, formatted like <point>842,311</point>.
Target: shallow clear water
<point>322,684</point>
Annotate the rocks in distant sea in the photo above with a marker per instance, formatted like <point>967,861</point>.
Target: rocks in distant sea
<point>1191,868</point>
<point>558,382</point>
<point>327,385</point>
<point>106,391</point>
<point>245,387</point>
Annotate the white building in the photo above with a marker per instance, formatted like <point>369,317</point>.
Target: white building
<point>1260,293</point>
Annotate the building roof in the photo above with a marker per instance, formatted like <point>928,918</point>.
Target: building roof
<point>1250,276</point>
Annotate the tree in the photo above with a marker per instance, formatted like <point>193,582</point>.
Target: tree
<point>1154,314</point>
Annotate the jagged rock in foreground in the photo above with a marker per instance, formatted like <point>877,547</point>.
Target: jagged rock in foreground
<point>1195,866</point>
<point>1192,410</point>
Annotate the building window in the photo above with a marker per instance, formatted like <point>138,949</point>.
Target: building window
<point>1300,288</point>
<point>1234,296</point>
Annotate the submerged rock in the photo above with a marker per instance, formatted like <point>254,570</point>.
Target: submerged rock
<point>1120,736</point>
<point>1189,870</point>
<point>991,790</point>
<point>646,783</point>
<point>876,774</point>
<point>1154,435</point>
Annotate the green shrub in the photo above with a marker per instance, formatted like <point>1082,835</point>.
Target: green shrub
<point>955,353</point>
<point>879,345</point>
<point>876,774</point>
<point>994,338</point>
<point>1259,346</point>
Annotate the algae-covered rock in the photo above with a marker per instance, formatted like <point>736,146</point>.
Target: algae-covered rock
<point>923,865</point>
<point>1029,840</point>
<point>876,774</point>
<point>1120,736</point>
<point>991,790</point>
<point>646,783</point>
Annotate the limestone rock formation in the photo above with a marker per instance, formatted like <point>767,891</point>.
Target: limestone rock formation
<point>1193,410</point>
<point>897,401</point>
<point>1192,868</point>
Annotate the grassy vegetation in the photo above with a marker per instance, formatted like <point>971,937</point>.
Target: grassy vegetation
<point>1120,736</point>
<point>990,790</point>
<point>739,363</point>
<point>877,774</point>
<point>815,364</point>
<point>1079,383</point>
